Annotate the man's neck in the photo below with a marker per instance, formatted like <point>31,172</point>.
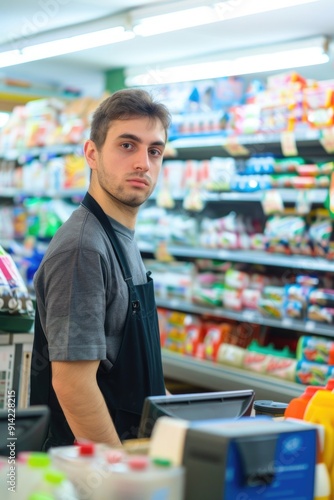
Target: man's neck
<point>127,216</point>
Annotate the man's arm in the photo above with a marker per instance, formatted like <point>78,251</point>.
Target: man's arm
<point>82,402</point>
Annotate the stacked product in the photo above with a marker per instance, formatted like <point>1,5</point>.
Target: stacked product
<point>289,102</point>
<point>47,122</point>
<point>259,172</point>
<point>315,357</point>
<point>242,287</point>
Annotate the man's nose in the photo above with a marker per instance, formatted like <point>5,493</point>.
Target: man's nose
<point>142,161</point>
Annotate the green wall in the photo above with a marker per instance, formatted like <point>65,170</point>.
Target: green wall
<point>115,80</point>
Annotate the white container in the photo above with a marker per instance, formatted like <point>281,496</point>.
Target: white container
<point>322,483</point>
<point>54,484</point>
<point>138,478</point>
<point>30,469</point>
<point>101,473</point>
<point>84,466</point>
<point>33,478</point>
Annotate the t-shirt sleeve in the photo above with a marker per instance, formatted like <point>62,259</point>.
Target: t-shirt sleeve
<point>75,304</point>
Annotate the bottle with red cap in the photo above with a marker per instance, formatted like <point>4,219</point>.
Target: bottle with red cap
<point>99,472</point>
<point>84,466</point>
<point>139,477</point>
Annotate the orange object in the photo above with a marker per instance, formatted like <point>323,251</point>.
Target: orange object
<point>297,406</point>
<point>330,384</point>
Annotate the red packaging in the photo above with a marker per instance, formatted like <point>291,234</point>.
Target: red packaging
<point>214,336</point>
<point>194,337</point>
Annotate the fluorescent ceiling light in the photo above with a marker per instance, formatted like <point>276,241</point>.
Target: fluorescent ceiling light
<point>64,46</point>
<point>145,26</point>
<point>270,61</point>
<point>174,21</point>
<point>216,12</point>
<point>241,8</point>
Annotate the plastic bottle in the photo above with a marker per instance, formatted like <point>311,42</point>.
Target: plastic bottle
<point>330,384</point>
<point>320,410</point>
<point>322,482</point>
<point>55,484</point>
<point>139,478</point>
<point>270,408</point>
<point>31,468</point>
<point>84,465</point>
<point>297,406</point>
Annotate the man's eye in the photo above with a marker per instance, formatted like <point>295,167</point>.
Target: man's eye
<point>127,145</point>
<point>155,152</point>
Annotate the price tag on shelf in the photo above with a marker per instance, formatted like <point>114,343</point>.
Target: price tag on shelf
<point>287,322</point>
<point>310,326</point>
<point>288,144</point>
<point>248,316</point>
<point>327,139</point>
<point>234,148</point>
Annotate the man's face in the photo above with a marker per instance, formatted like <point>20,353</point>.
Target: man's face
<point>129,163</point>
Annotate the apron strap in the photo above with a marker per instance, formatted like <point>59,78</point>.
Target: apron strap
<point>92,205</point>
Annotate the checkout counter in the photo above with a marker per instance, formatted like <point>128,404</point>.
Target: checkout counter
<point>197,447</point>
<point>226,452</point>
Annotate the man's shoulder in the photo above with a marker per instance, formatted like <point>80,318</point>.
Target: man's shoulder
<point>80,231</point>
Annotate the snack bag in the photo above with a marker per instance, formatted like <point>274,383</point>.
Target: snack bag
<point>20,301</point>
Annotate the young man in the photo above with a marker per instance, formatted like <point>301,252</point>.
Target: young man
<point>97,348</point>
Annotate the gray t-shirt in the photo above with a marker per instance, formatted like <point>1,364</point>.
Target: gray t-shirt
<point>81,294</point>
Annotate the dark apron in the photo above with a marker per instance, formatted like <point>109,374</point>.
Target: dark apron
<point>137,372</point>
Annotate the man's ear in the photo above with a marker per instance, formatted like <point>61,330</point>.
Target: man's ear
<point>90,152</point>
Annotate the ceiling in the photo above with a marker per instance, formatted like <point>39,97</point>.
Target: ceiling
<point>47,19</point>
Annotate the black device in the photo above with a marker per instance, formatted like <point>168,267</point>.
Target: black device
<point>198,406</point>
<point>26,428</point>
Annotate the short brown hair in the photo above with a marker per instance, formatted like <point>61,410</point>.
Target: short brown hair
<point>124,105</point>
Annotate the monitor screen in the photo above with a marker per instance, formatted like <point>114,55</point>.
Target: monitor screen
<point>30,424</point>
<point>194,407</point>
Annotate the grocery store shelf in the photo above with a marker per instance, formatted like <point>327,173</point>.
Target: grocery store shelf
<point>15,323</point>
<point>248,316</point>
<point>288,195</point>
<point>205,146</point>
<point>9,192</point>
<point>218,377</point>
<point>209,140</point>
<point>18,95</point>
<point>250,256</point>
<point>24,153</point>
<point>47,193</point>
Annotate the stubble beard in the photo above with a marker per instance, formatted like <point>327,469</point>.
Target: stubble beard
<point>120,197</point>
